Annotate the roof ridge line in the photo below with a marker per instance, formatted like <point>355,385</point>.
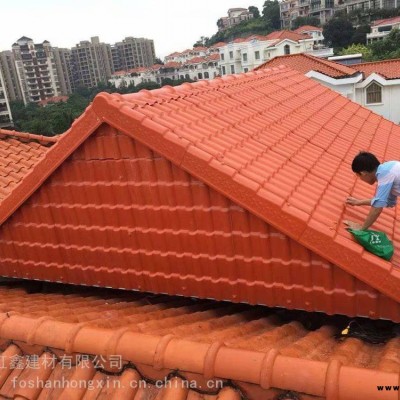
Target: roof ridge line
<point>45,140</point>
<point>211,360</point>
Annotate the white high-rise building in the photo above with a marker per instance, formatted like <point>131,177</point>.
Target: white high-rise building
<point>36,70</point>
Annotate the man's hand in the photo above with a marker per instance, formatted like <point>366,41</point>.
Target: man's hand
<point>352,201</point>
<point>353,225</point>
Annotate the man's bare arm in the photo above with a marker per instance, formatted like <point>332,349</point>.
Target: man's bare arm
<point>372,216</point>
<point>352,201</point>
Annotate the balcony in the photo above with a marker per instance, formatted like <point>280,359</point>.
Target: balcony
<point>376,35</point>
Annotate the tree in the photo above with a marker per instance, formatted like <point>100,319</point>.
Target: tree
<point>338,32</point>
<point>387,48</point>
<point>271,13</point>
<point>360,34</point>
<point>255,11</point>
<point>203,41</point>
<point>158,61</point>
<point>356,49</point>
<point>301,21</point>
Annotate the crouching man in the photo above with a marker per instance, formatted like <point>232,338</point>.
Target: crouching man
<point>367,167</point>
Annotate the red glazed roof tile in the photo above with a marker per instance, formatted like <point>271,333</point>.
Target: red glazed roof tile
<point>305,63</point>
<point>136,346</point>
<point>389,69</point>
<point>229,189</point>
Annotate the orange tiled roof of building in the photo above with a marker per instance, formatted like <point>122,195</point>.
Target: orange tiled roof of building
<point>239,40</point>
<point>19,153</point>
<point>389,69</point>
<point>196,60</point>
<point>200,48</point>
<point>219,44</point>
<point>386,21</point>
<point>213,57</point>
<point>141,346</point>
<point>304,63</point>
<point>307,28</point>
<point>287,35</point>
<point>172,64</point>
<point>227,189</point>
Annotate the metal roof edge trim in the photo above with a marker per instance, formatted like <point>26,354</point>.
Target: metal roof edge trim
<point>81,128</point>
<point>269,370</point>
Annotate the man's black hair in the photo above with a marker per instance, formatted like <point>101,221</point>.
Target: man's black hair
<point>364,161</point>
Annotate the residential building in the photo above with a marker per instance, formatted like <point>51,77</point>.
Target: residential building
<point>314,31</point>
<point>5,112</point>
<point>235,17</point>
<point>36,70</point>
<point>10,76</point>
<point>189,54</point>
<point>91,63</point>
<point>291,9</point>
<point>198,68</point>
<point>365,5</point>
<point>242,55</point>
<point>132,53</point>
<point>229,190</point>
<point>382,28</point>
<point>374,85</point>
<point>62,59</point>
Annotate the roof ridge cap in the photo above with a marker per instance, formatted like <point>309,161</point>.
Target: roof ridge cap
<point>44,140</point>
<point>165,352</point>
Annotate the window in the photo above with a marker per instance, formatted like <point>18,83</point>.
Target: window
<point>244,56</point>
<point>245,70</point>
<point>286,49</point>
<point>231,55</point>
<point>232,69</point>
<point>257,55</point>
<point>206,75</point>
<point>374,93</point>
<point>200,75</point>
<point>223,70</point>
<point>222,57</point>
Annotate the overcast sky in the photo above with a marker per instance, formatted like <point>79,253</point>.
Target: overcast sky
<point>174,25</point>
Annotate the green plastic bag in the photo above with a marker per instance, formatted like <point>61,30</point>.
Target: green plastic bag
<point>375,242</point>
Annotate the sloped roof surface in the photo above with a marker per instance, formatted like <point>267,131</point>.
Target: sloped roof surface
<point>389,69</point>
<point>287,35</point>
<point>305,63</point>
<point>387,21</point>
<point>307,28</point>
<point>273,141</point>
<point>254,352</point>
<point>19,153</point>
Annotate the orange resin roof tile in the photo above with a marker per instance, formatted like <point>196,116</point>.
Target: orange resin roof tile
<point>305,63</point>
<point>389,69</point>
<point>121,345</point>
<point>19,153</point>
<point>231,189</point>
